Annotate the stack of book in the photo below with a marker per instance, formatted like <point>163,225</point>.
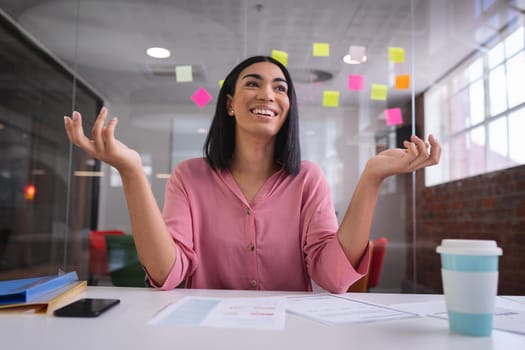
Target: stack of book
<point>41,294</point>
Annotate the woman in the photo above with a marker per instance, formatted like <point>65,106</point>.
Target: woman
<point>250,215</point>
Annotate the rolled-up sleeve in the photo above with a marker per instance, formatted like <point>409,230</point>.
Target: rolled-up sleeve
<point>326,260</point>
<point>178,218</point>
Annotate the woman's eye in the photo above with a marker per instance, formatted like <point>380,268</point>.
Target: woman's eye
<point>281,88</point>
<point>252,84</point>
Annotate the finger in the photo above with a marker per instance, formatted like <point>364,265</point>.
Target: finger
<point>97,130</point>
<point>68,125</point>
<point>76,133</point>
<point>411,149</point>
<point>421,146</point>
<point>108,134</point>
<point>435,149</point>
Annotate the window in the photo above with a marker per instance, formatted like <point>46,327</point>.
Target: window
<point>478,112</point>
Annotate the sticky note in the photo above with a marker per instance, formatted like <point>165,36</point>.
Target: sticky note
<point>201,97</point>
<point>355,82</point>
<point>330,98</point>
<point>321,49</point>
<point>396,54</point>
<point>403,81</point>
<point>393,116</point>
<point>378,92</point>
<point>183,74</point>
<point>357,53</point>
<point>280,56</point>
<point>221,82</point>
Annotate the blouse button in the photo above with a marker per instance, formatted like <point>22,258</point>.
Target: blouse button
<point>249,211</point>
<point>251,247</point>
<point>253,283</point>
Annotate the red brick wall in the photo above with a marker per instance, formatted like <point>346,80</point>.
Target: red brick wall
<point>489,206</point>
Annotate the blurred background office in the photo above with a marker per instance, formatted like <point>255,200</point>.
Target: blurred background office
<point>368,74</point>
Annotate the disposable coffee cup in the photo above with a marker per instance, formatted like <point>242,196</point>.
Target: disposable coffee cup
<point>469,270</point>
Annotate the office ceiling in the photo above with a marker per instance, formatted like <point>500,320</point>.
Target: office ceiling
<point>105,41</point>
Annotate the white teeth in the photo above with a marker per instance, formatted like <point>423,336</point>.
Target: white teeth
<point>266,112</point>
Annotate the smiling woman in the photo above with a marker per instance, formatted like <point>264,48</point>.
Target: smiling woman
<point>254,174</point>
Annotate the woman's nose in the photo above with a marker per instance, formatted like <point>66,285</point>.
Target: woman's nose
<point>266,93</point>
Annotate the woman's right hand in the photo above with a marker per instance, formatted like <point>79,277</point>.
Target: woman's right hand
<point>104,146</point>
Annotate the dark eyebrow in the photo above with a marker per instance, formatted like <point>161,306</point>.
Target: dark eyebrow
<point>258,77</point>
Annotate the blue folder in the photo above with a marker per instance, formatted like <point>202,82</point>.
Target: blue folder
<point>28,289</point>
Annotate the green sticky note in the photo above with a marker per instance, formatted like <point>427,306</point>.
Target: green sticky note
<point>221,82</point>
<point>379,92</point>
<point>396,54</point>
<point>280,56</point>
<point>321,49</point>
<point>330,98</point>
<point>183,74</point>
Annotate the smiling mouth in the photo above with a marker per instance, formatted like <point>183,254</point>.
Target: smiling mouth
<point>262,112</point>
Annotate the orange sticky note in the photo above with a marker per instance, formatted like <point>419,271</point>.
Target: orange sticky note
<point>321,49</point>
<point>396,54</point>
<point>330,98</point>
<point>403,81</point>
<point>280,56</point>
<point>379,92</point>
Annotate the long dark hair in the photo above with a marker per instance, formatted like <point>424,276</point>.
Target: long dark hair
<point>220,142</point>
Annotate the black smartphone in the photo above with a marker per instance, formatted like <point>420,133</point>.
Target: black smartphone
<point>87,307</point>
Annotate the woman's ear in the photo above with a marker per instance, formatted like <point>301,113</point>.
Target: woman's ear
<point>229,107</point>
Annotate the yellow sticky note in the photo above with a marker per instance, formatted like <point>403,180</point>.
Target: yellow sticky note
<point>396,54</point>
<point>221,82</point>
<point>330,98</point>
<point>321,49</point>
<point>280,56</point>
<point>379,92</point>
<point>403,81</point>
<point>183,74</point>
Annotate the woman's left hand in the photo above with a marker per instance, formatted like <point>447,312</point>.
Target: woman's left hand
<point>418,154</point>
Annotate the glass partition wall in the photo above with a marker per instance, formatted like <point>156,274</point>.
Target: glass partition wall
<point>368,74</point>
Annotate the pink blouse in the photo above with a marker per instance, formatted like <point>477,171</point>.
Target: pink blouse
<point>282,240</point>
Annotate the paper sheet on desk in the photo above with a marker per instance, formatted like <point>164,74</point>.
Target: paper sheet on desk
<point>240,313</point>
<point>335,310</point>
<point>509,315</point>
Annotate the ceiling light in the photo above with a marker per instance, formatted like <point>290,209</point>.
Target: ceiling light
<point>158,52</point>
<point>356,55</point>
<point>348,60</point>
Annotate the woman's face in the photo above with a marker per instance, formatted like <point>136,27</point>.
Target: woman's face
<point>260,105</point>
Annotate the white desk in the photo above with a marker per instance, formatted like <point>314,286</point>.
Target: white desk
<point>124,327</point>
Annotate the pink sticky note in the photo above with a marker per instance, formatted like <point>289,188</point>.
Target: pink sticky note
<point>355,82</point>
<point>201,97</point>
<point>393,116</point>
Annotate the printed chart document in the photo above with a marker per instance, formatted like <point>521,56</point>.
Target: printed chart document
<point>336,310</point>
<point>240,313</point>
<point>509,314</point>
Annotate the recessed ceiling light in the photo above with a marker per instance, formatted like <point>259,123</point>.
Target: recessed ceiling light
<point>348,59</point>
<point>158,52</point>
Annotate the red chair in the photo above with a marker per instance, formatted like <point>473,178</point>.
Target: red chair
<point>98,257</point>
<point>376,261</point>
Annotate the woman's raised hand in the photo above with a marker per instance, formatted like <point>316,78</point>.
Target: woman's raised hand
<point>418,154</point>
<point>104,145</point>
